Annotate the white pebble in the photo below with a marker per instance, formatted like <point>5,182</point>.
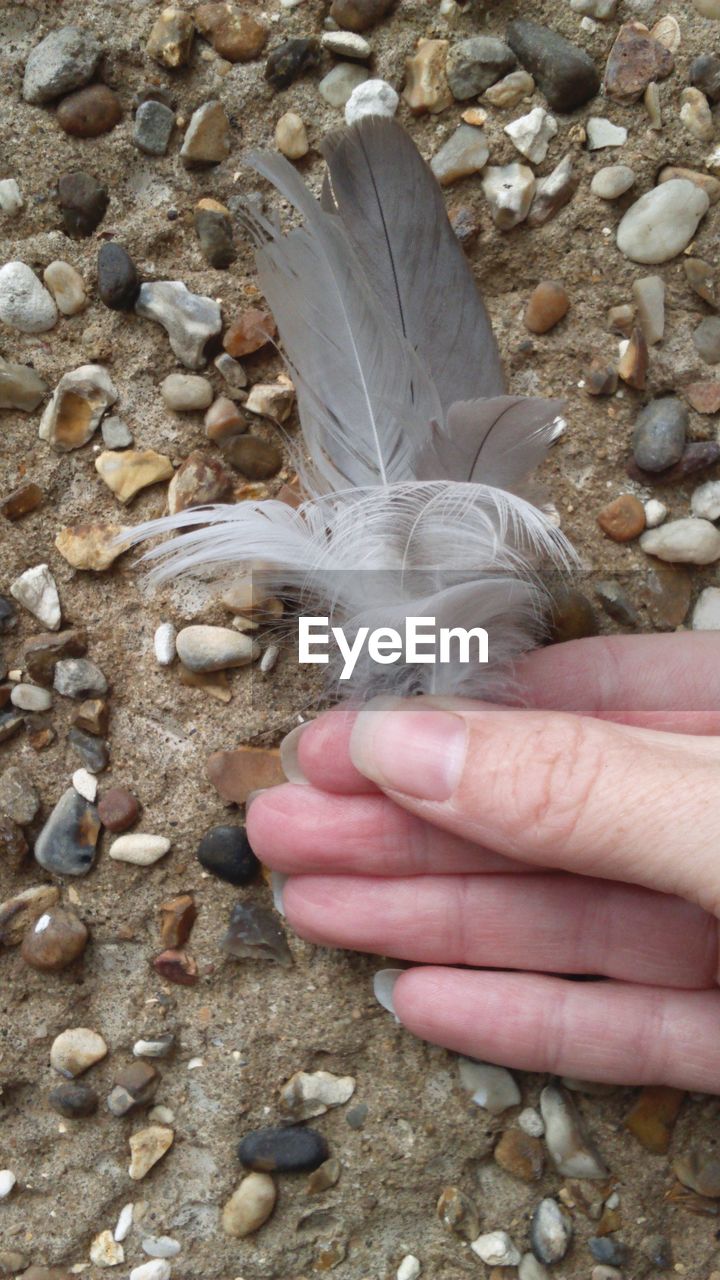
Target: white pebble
<point>25,303</point>
<point>7,1182</point>
<point>509,190</point>
<point>164,644</point>
<point>533,133</point>
<point>36,590</point>
<point>491,1087</point>
<point>371,98</point>
<point>662,222</point>
<point>66,286</point>
<point>159,1269</point>
<point>705,501</point>
<point>28,697</point>
<point>603,133</point>
<point>161,1247</point>
<point>124,1223</point>
<point>161,1115</point>
<point>409,1268</point>
<point>655,513</point>
<point>612,181</point>
<point>11,201</point>
<point>706,614</point>
<point>186,392</point>
<point>687,541</point>
<point>269,659</point>
<point>346,44</point>
<point>496,1249</point>
<point>85,784</point>
<point>531,1122</point>
<point>139,848</point>
<point>205,648</point>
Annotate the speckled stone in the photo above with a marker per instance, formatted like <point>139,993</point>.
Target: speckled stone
<point>225,852</point>
<point>290,1150</point>
<point>67,843</point>
<point>154,123</point>
<point>171,38</point>
<point>79,678</point>
<point>66,59</point>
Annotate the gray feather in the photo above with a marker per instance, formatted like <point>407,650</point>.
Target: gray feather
<point>499,442</point>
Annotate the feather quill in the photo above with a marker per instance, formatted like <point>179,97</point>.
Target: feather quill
<point>417,473</point>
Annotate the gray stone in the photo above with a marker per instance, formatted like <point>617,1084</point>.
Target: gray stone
<point>466,151</point>
<point>35,589</point>
<point>66,59</point>
<point>336,87</point>
<point>186,392</point>
<point>688,541</point>
<point>66,845</point>
<point>662,222</point>
<point>19,799</point>
<point>116,434</point>
<point>203,648</point>
<point>92,750</point>
<point>551,1231</point>
<point>616,603</point>
<point>553,192</point>
<point>25,303</point>
<point>154,123</point>
<point>189,319</point>
<point>79,678</point>
<point>705,75</point>
<point>207,139</point>
<point>473,65</point>
<point>659,435</point>
<point>613,181</point>
<point>20,386</point>
<point>707,339</point>
<point>565,74</point>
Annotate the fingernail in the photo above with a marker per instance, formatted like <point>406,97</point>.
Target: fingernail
<point>383,987</point>
<point>289,755</point>
<point>277,884</point>
<point>416,749</point>
<point>252,795</point>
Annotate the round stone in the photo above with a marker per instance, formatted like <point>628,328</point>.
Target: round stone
<point>547,306</point>
<point>290,1150</point>
<point>551,1232</point>
<point>118,809</point>
<point>66,286</point>
<point>76,1050</point>
<point>359,15</point>
<point>140,848</point>
<point>203,648</point>
<point>623,519</point>
<point>89,112</point>
<point>707,339</point>
<point>662,222</point>
<point>659,436</point>
<point>54,941</point>
<point>225,852</point>
<point>83,202</point>
<point>186,392</point>
<point>613,181</point>
<point>291,136</point>
<point>249,1206</point>
<point>118,279</point>
<point>74,1101</point>
<point>24,303</point>
<point>371,98</point>
<point>28,697</point>
<point>154,123</point>
<point>257,459</point>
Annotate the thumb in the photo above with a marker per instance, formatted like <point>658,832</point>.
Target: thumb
<point>565,791</point>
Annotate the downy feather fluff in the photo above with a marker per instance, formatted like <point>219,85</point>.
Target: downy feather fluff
<point>417,466</point>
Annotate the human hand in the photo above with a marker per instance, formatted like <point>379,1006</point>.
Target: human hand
<point>579,837</point>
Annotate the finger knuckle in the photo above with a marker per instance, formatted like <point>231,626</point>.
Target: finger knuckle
<point>553,778</point>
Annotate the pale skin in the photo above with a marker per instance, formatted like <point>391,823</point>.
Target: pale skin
<point>578,836</point>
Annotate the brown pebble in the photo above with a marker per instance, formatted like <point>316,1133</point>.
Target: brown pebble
<point>22,500</point>
<point>214,683</point>
<point>633,364</point>
<point>236,36</point>
<point>572,616</point>
<point>520,1154</point>
<point>701,278</point>
<point>546,307</point>
<point>93,716</point>
<point>118,809</point>
<point>601,378</point>
<point>201,479</point>
<point>177,917</point>
<point>89,112</point>
<point>623,519</point>
<point>652,1119</point>
<point>13,845</point>
<point>249,333</point>
<point>635,60</point>
<point>54,941</point>
<point>464,223</point>
<point>41,739</point>
<point>704,397</point>
<point>41,653</point>
<point>224,420</point>
<point>255,458</point>
<point>234,774</point>
<point>666,596</point>
<point>176,966</point>
<point>700,1172</point>
<point>359,15</point>
<point>171,38</point>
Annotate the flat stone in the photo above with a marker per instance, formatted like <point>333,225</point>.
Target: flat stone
<point>19,799</point>
<point>602,133</point>
<point>207,139</point>
<point>25,304</point>
<point>466,151</point>
<point>565,74</point>
<point>547,305</point>
<point>75,1050</point>
<point>161,1246</point>
<point>28,697</point>
<point>635,60</point>
<point>118,279</point>
<point>66,59</point>
<point>290,60</point>
<point>234,774</point>
<point>257,459</point>
<point>255,934</point>
<point>426,86</point>
<point>553,192</point>
<point>520,1154</point>
<point>613,181</point>
<point>476,63</point>
<point>154,123</point>
<point>79,678</point>
<point>131,470</point>
<point>705,75</point>
<point>509,190</point>
<point>73,1101</point>
<point>623,519</point>
<point>496,1249</point>
<point>359,15</point>
<point>309,1094</point>
<point>696,115</point>
<point>75,410</point>
<point>652,1118</point>
<point>286,1150</point>
<point>225,852</point>
<point>491,1087</point>
<point>346,44</point>
<point>86,784</point>
<point>147,1146</point>
<point>662,222</point>
<point>67,843</point>
<point>171,38</point>
<point>11,201</point>
<point>20,502</point>
<point>707,339</point>
<point>336,87</point>
<point>532,134</point>
<point>511,90</point>
<point>89,112</point>
<point>250,1206</point>
<point>91,546</point>
<point>115,433</point>
<point>55,941</point>
<point>92,750</point>
<point>139,848</point>
<point>83,203</point>
<point>118,809</point>
<point>189,319</point>
<point>18,914</point>
<point>66,286</point>
<point>572,1151</point>
<point>36,591</point>
<point>236,36</point>
<point>20,386</point>
<point>686,541</point>
<point>134,1086</point>
<point>659,435</point>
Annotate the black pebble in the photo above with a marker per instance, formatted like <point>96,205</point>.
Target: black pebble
<point>118,280</point>
<point>83,202</point>
<point>7,614</point>
<point>565,74</point>
<point>225,852</point>
<point>291,1150</point>
<point>291,60</point>
<point>73,1100</point>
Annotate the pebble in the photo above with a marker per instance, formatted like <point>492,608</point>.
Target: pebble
<point>91,546</point>
<point>19,799</point>
<point>553,192</point>
<point>570,1148</point>
<point>659,435</point>
<point>115,433</point>
<point>92,751</point>
<point>613,181</point>
<point>707,339</point>
<point>705,503</point>
<point>10,723</point>
<point>336,87</point>
<point>131,470</point>
<point>55,941</point>
<point>93,715</point>
<point>547,305</point>
<point>624,519</point>
<point>705,75</point>
<point>189,319</point>
<point>205,648</point>
<point>124,1223</point>
<point>649,299</point>
<point>491,1087</point>
<point>325,1176</point>
<point>25,304</point>
<point>160,1047</point>
<point>551,1232</point>
<point>496,1249</point>
<point>253,933</point>
<point>635,60</point>
<point>186,392</point>
<point>286,1150</point>
<point>697,456</point>
<point>18,914</point>
<point>235,774</point>
<point>653,107</point>
<point>89,112</point>
<point>531,1269</point>
<point>28,697</point>
<point>75,1050</point>
<point>159,1269</point>
<point>73,1101</point>
<point>509,190</point>
<point>177,967</point>
<point>606,1250</point>
<point>225,852</point>
<point>83,203</point>
<point>652,1118</point>
<point>477,63</point>
<point>66,59</point>
<point>85,784</point>
<point>79,678</point>
<point>662,222</point>
<point>290,60</point>
<point>565,74</point>
<point>359,15</point>
<point>161,1247</point>
<point>201,479</point>
<point>272,400</point>
<point>105,1251</point>
<point>20,386</point>
<point>76,407</point>
<point>154,123</point>
<point>66,286</point>
<point>236,36</point>
<point>20,502</point>
<point>250,1206</point>
<point>139,848</point>
<point>177,917</point>
<point>11,201</point>
<point>134,1085</point>
<point>686,541</point>
<point>706,614</point>
<point>252,331</point>
<point>655,513</point>
<point>409,1268</point>
<point>257,459</point>
<point>164,645</point>
<point>207,138</point>
<point>41,653</point>
<point>36,591</point>
<point>223,420</point>
<point>147,1146</point>
<point>347,44</point>
<point>533,133</point>
<point>633,363</point>
<point>7,1182</point>
<point>465,151</point>
<point>118,279</point>
<point>309,1094</point>
<point>426,86</point>
<point>520,1154</point>
<point>457,1212</point>
<point>291,136</point>
<point>701,278</point>
<point>603,133</point>
<point>171,38</point>
<point>118,809</point>
<point>696,115</point>
<point>67,843</point>
<point>213,227</point>
<point>511,90</point>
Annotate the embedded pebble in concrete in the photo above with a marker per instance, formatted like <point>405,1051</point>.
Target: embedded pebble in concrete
<point>649,299</point>
<point>91,546</point>
<point>250,1206</point>
<point>147,1146</point>
<point>409,1269</point>
<point>289,60</point>
<point>531,1269</point>
<point>160,1269</point>
<point>532,134</point>
<point>705,75</point>
<point>659,435</point>
<point>207,138</point>
<point>509,190</point>
<point>134,1085</point>
<point>336,87</point>
<point>705,503</point>
<point>78,403</point>
<point>225,852</point>
<point>253,933</point>
<point>67,843</point>
<point>66,286</point>
<point>547,305</point>
<point>571,1149</point>
<point>92,750</point>
<point>553,192</point>
<point>272,400</point>
<point>28,697</point>
<point>347,44</point>
<point>73,1101</point>
<point>140,849</point>
<point>496,1249</point>
<point>291,136</point>
<point>696,114</point>
<point>224,420</point>
<point>25,304</point>
<point>76,1050</point>
<point>531,1122</point>
<point>706,614</point>
<point>124,1222</point>
<point>7,1181</point>
<point>118,278</point>
<point>18,914</point>
<point>551,1232</point>
<point>520,1154</point>
<point>214,230</point>
<point>11,201</point>
<point>707,339</point>
<point>309,1094</point>
<point>186,392</point>
<point>19,799</point>
<point>105,1251</point>
<point>189,319</point>
<point>662,222</point>
<point>35,589</point>
<point>171,38</point>
<point>476,63</point>
<point>83,203</point>
<point>565,74</point>
<point>686,541</point>
<point>602,133</point>
<point>161,1047</point>
<point>89,112</point>
<point>85,784</point>
<point>161,1246</point>
<point>492,1088</point>
<point>426,87</point>
<point>154,123</point>
<point>203,648</point>
<point>21,501</point>
<point>465,151</point>
<point>701,278</point>
<point>79,678</point>
<point>289,1150</point>
<point>20,386</point>
<point>66,59</point>
<point>118,809</point>
<point>164,644</point>
<point>635,60</point>
<point>623,519</point>
<point>55,941</point>
<point>115,433</point>
<point>130,471</point>
<point>613,181</point>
